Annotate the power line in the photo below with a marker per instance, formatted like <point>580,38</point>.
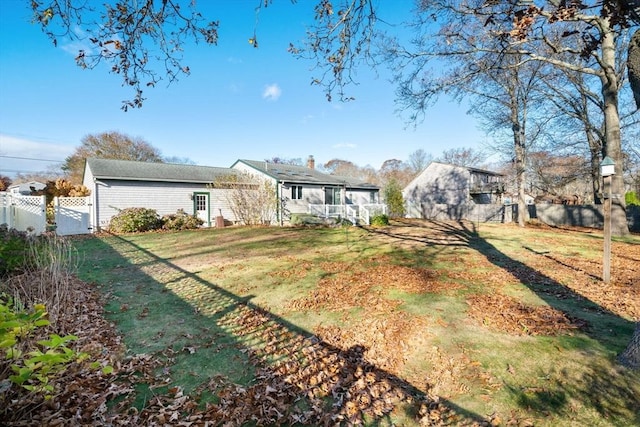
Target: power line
<point>2,170</point>
<point>30,158</point>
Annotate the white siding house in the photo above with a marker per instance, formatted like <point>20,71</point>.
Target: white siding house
<point>120,184</point>
<point>303,189</point>
<point>26,188</point>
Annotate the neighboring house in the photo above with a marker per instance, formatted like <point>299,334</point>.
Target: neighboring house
<point>512,199</point>
<point>26,188</point>
<point>165,187</point>
<point>303,189</point>
<point>453,186</point>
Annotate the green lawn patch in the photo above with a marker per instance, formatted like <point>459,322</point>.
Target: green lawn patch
<point>378,325</point>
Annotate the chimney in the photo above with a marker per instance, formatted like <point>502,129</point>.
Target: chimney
<point>311,162</point>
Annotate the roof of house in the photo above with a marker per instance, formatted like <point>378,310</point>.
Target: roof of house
<point>162,172</point>
<point>303,175</point>
<point>27,187</point>
<point>470,169</point>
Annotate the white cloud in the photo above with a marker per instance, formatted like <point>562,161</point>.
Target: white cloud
<point>307,118</point>
<point>272,92</point>
<point>345,145</point>
<point>21,155</point>
<point>79,42</point>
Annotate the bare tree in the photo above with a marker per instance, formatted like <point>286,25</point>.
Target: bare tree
<point>467,157</point>
<point>559,175</point>
<point>579,36</point>
<point>108,145</point>
<point>342,168</point>
<point>418,161</point>
<point>137,38</point>
<point>396,171</point>
<point>252,200</point>
<point>285,161</point>
<point>577,112</point>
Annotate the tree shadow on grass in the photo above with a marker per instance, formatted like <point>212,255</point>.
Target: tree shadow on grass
<point>276,372</point>
<point>612,391</point>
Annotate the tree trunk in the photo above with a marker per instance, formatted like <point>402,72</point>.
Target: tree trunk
<point>633,66</point>
<point>595,150</point>
<point>613,149</point>
<point>521,174</point>
<point>630,357</point>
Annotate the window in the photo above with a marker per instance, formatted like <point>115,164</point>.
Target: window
<point>332,196</point>
<point>201,202</point>
<point>296,192</point>
<point>372,197</point>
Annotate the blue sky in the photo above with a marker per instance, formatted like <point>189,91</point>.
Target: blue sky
<point>238,102</point>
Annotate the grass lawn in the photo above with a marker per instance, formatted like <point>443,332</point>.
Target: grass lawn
<point>416,322</point>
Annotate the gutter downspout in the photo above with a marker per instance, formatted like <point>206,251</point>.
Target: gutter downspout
<point>95,221</point>
<point>280,208</point>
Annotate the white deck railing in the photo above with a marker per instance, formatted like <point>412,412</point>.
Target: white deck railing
<point>357,214</point>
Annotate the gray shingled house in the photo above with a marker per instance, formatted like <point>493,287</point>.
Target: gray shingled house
<point>165,187</point>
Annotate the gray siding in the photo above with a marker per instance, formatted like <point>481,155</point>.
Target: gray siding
<point>361,197</point>
<point>111,196</point>
<point>439,184</point>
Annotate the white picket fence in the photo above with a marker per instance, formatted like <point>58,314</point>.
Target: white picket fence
<point>24,213</point>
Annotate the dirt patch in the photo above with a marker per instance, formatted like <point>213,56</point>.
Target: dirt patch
<point>506,314</point>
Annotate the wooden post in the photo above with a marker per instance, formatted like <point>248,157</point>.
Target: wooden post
<point>606,261</point>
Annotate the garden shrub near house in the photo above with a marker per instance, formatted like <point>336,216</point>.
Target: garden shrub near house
<point>379,220</point>
<point>181,221</point>
<point>132,220</point>
<point>631,198</point>
<point>300,219</point>
<point>14,246</point>
<point>393,197</point>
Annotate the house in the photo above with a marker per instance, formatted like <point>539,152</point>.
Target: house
<point>451,188</point>
<point>165,187</point>
<point>304,189</point>
<point>26,188</point>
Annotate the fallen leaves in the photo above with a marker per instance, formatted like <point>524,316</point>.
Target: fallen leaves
<point>507,314</point>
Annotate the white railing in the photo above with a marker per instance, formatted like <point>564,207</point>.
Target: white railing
<point>352,213</point>
<point>357,214</point>
<point>327,211</point>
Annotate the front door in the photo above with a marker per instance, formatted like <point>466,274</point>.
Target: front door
<point>201,207</point>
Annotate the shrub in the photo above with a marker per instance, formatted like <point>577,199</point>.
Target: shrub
<point>631,198</point>
<point>33,370</point>
<point>300,219</point>
<point>392,194</point>
<point>379,220</point>
<point>181,221</point>
<point>14,246</point>
<point>131,220</point>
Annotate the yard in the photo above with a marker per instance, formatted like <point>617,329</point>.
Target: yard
<point>416,323</point>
